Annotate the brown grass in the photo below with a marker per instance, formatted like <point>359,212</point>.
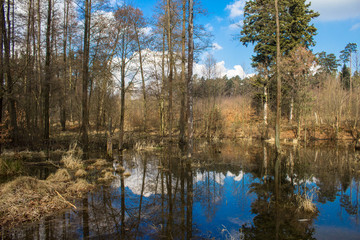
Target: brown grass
<point>72,158</point>
<point>99,163</point>
<point>80,187</point>
<point>24,155</point>
<point>142,145</point>
<point>61,175</point>
<point>120,169</point>
<point>305,204</point>
<point>81,173</point>
<point>108,176</point>
<point>26,199</point>
<point>29,199</point>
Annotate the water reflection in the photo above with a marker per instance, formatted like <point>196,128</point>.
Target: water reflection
<point>239,191</point>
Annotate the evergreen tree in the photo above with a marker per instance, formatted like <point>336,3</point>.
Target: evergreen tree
<point>259,21</point>
<point>345,77</point>
<point>328,62</point>
<point>346,56</point>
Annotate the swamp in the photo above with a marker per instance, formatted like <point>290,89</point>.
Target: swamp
<point>231,190</point>
<point>134,120</point>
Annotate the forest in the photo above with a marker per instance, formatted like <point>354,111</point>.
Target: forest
<point>92,68</point>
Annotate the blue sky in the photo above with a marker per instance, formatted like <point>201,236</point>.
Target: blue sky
<point>338,24</point>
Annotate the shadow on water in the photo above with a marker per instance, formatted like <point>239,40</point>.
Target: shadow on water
<point>230,191</point>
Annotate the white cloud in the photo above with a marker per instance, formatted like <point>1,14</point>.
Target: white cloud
<point>209,27</point>
<point>236,71</point>
<point>330,10</point>
<point>333,10</point>
<point>236,9</point>
<point>236,25</point>
<point>146,30</point>
<point>216,46</point>
<point>219,19</point>
<point>355,26</point>
<point>221,70</point>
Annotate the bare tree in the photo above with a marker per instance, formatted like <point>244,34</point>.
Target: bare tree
<point>6,34</point>
<point>190,79</point>
<point>85,80</point>
<point>139,22</point>
<point>182,119</point>
<point>171,64</point>
<point>127,46</point>
<point>278,80</point>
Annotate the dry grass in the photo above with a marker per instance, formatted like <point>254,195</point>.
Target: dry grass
<point>80,187</point>
<point>29,199</point>
<point>142,145</point>
<point>72,162</point>
<point>232,117</point>
<point>25,155</point>
<point>100,163</point>
<point>305,204</point>
<point>72,158</point>
<point>120,169</point>
<point>26,199</point>
<point>61,175</point>
<point>108,176</point>
<point>81,173</point>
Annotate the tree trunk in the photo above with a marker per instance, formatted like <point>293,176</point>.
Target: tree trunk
<point>122,94</point>
<point>291,109</point>
<point>63,103</point>
<point>39,121</point>
<point>278,81</point>
<point>170,78</point>
<point>70,81</point>
<point>190,79</point>
<point>298,133</point>
<point>350,75</point>
<point>109,145</point>
<point>28,78</point>
<point>122,103</point>
<point>265,105</point>
<point>142,78</point>
<point>48,76</point>
<point>162,98</point>
<point>85,80</point>
<point>182,120</point>
<point>8,76</point>
<point>2,67</point>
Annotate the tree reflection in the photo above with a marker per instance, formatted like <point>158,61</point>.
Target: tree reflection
<point>276,208</point>
<point>165,190</point>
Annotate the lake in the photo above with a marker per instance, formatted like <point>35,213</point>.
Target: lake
<point>227,191</point>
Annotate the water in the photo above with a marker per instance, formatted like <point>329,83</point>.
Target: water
<point>229,191</point>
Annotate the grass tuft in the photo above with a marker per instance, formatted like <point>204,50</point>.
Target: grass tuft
<point>72,158</point>
<point>305,204</point>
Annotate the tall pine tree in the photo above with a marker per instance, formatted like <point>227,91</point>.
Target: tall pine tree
<point>259,28</point>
